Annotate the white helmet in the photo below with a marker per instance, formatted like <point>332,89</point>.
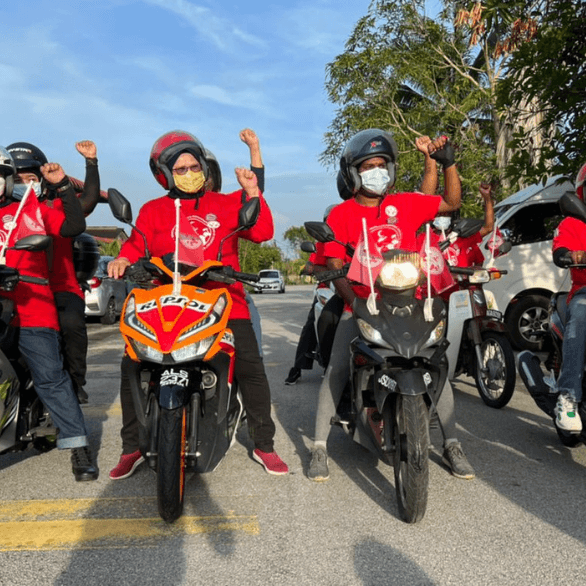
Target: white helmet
<point>7,171</point>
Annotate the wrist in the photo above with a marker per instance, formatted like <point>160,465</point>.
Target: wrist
<point>91,162</point>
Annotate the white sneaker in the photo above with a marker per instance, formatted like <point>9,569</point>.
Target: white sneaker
<point>566,414</point>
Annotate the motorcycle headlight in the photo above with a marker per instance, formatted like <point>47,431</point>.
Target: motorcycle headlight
<point>399,275</point>
<point>193,351</point>
<point>482,276</point>
<point>437,334</point>
<point>145,352</point>
<point>371,334</point>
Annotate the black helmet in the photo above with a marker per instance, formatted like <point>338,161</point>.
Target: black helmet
<point>166,150</point>
<point>367,144</point>
<point>215,171</point>
<point>27,156</point>
<point>343,190</point>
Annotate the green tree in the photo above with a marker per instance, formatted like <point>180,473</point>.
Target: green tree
<point>110,248</point>
<point>547,78</point>
<point>255,257</point>
<point>295,235</point>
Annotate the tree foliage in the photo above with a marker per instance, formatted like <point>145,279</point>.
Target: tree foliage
<point>256,257</point>
<point>547,76</point>
<point>295,235</point>
<point>110,248</point>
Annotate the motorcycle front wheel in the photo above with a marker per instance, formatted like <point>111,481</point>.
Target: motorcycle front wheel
<point>411,456</point>
<point>171,463</point>
<point>497,383</point>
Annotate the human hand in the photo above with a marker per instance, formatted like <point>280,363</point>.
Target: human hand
<point>485,191</point>
<point>117,267</point>
<point>442,151</point>
<point>247,180</point>
<point>53,173</point>
<point>421,142</point>
<point>248,137</point>
<point>87,149</point>
<point>578,257</point>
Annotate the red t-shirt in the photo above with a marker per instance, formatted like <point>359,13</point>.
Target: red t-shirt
<point>213,216</point>
<point>465,252</point>
<point>392,224</point>
<point>62,274</point>
<point>318,259</point>
<point>34,304</point>
<point>571,234</point>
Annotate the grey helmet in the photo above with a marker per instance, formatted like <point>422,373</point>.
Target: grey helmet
<point>7,171</point>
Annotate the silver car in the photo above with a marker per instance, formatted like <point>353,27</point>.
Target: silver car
<point>271,280</point>
<point>104,297</point>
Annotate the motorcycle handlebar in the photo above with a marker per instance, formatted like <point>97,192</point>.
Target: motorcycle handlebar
<point>331,275</point>
<point>33,280</point>
<point>462,270</point>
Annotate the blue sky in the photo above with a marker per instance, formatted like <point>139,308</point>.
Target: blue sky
<point>123,72</point>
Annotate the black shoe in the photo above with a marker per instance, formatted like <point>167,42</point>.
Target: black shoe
<point>454,458</point>
<point>294,376</point>
<point>81,464</point>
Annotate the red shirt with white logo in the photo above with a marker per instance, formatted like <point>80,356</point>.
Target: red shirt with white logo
<point>465,252</point>
<point>571,234</point>
<point>34,304</point>
<point>212,217</point>
<point>392,224</point>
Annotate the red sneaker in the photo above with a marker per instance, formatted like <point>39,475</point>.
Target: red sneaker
<point>126,466</point>
<point>271,462</point>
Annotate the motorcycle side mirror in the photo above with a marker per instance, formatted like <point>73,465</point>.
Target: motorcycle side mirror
<point>572,206</point>
<point>249,213</point>
<point>505,247</point>
<point>308,247</point>
<point>33,243</point>
<point>120,206</point>
<point>320,231</point>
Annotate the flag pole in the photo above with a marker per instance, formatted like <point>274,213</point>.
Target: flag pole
<point>13,223</point>
<point>490,263</point>
<point>428,305</point>
<point>176,278</point>
<point>371,302</point>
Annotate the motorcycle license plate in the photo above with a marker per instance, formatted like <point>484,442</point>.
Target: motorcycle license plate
<point>494,313</point>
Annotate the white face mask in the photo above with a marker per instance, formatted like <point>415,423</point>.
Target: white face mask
<point>375,180</point>
<point>2,185</point>
<point>442,223</point>
<point>19,189</point>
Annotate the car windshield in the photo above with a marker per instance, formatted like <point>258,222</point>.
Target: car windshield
<point>269,274</point>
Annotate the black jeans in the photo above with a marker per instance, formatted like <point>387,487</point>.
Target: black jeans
<point>326,327</point>
<point>307,342</point>
<point>74,342</point>
<point>249,372</point>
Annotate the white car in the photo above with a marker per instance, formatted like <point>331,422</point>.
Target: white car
<point>271,280</point>
<point>529,219</point>
<point>104,297</point>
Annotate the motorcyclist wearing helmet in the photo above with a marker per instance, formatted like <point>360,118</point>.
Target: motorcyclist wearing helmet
<point>368,168</point>
<point>36,313</point>
<point>69,297</point>
<point>569,247</point>
<point>178,163</point>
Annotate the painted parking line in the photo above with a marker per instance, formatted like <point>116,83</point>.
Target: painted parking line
<point>64,524</point>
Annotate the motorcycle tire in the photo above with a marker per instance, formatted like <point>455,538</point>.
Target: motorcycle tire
<point>498,386</point>
<point>411,455</point>
<point>171,463</point>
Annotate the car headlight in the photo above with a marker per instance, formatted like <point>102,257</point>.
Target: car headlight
<point>399,275</point>
<point>371,334</point>
<point>436,335</point>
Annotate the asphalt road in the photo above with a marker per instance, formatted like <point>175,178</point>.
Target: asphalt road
<point>520,522</point>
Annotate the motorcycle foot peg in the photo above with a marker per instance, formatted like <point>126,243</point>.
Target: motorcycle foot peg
<point>337,421</point>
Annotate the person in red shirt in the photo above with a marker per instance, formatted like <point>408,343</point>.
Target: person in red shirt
<point>36,314</point>
<point>69,297</point>
<point>178,164</point>
<point>368,166</point>
<point>569,247</point>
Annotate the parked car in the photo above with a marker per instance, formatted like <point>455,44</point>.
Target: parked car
<point>529,219</point>
<point>104,297</point>
<point>271,280</point>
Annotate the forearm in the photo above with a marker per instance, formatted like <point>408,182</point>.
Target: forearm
<point>91,191</point>
<point>342,285</point>
<point>260,176</point>
<point>430,181</point>
<point>452,190</point>
<point>488,218</point>
<point>74,223</point>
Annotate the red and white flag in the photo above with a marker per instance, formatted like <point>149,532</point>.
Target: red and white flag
<point>190,245</point>
<point>367,259</point>
<point>30,219</point>
<point>439,275</point>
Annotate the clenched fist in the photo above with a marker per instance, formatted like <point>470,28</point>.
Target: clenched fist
<point>87,149</point>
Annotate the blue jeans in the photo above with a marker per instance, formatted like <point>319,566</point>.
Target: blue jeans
<point>574,347</point>
<point>41,351</point>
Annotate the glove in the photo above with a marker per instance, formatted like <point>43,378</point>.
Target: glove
<point>445,156</point>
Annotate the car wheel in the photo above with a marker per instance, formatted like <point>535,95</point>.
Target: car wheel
<point>109,317</point>
<point>282,290</point>
<point>527,321</point>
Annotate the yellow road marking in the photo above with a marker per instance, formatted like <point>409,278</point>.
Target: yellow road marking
<point>61,524</point>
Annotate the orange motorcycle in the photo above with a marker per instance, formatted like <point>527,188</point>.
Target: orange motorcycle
<point>181,363</point>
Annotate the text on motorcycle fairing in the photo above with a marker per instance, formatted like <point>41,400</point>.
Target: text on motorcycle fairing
<point>170,377</point>
<point>174,300</point>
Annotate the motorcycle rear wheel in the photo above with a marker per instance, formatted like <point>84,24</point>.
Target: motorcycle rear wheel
<point>498,385</point>
<point>171,463</point>
<point>411,456</point>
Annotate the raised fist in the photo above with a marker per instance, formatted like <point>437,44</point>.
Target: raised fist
<point>53,173</point>
<point>87,149</point>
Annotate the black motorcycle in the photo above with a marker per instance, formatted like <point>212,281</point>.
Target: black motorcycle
<point>24,420</point>
<point>398,370</point>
